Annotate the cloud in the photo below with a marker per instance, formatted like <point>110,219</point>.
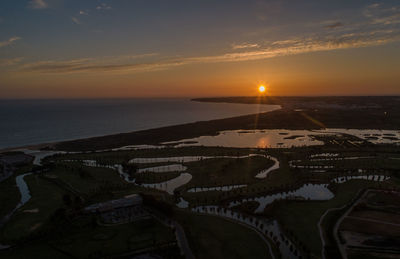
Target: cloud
<point>300,46</point>
<point>82,66</point>
<point>81,12</point>
<point>387,20</point>
<point>75,20</point>
<point>103,6</point>
<point>37,4</point>
<point>10,61</point>
<point>9,41</point>
<point>286,42</point>
<point>275,49</point>
<point>104,64</point>
<point>245,46</point>
<point>384,15</point>
<point>379,27</point>
<point>333,25</point>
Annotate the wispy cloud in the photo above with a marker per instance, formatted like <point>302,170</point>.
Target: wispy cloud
<point>75,20</point>
<point>10,61</point>
<point>37,4</point>
<point>9,41</point>
<point>90,66</point>
<point>244,45</point>
<point>105,64</point>
<point>333,25</point>
<point>384,15</point>
<point>369,9</point>
<point>81,12</point>
<point>103,6</point>
<point>378,27</point>
<point>274,49</point>
<point>306,45</point>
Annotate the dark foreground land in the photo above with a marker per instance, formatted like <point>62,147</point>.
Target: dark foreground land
<point>53,223</point>
<point>335,200</point>
<point>296,113</point>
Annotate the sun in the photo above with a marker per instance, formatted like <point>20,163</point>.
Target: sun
<point>261,89</point>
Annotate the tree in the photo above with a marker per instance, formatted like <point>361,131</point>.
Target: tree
<point>67,200</point>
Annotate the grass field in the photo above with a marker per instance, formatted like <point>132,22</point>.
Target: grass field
<point>85,179</point>
<point>150,177</point>
<point>9,196</point>
<point>226,171</point>
<point>213,237</point>
<point>9,193</point>
<point>242,172</point>
<point>46,199</point>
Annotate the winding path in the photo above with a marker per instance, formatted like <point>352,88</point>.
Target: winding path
<point>179,234</point>
<point>342,247</point>
<point>321,232</point>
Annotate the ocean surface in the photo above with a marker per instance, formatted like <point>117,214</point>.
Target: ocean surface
<point>26,122</point>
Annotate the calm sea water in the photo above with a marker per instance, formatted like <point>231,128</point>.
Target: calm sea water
<point>25,122</point>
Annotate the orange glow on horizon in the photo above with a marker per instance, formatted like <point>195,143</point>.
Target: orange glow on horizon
<point>261,89</point>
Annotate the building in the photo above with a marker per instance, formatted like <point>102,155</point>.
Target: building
<point>119,211</point>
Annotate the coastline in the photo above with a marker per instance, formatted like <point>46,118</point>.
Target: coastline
<point>35,122</point>
<point>297,113</point>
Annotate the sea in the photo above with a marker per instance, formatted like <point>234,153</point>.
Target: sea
<point>28,122</point>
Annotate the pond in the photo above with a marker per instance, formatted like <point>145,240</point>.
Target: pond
<point>307,192</point>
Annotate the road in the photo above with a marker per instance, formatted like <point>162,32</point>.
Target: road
<point>343,247</point>
<point>321,232</point>
<point>182,240</point>
<point>179,233</point>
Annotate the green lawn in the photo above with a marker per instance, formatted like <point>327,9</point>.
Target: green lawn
<point>85,179</point>
<point>213,237</point>
<point>226,171</point>
<point>150,177</point>
<point>46,199</point>
<point>9,196</point>
<point>9,193</point>
<point>242,172</point>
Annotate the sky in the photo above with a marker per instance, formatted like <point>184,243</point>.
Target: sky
<point>198,48</point>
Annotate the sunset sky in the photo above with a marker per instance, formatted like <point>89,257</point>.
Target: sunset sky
<point>196,48</point>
